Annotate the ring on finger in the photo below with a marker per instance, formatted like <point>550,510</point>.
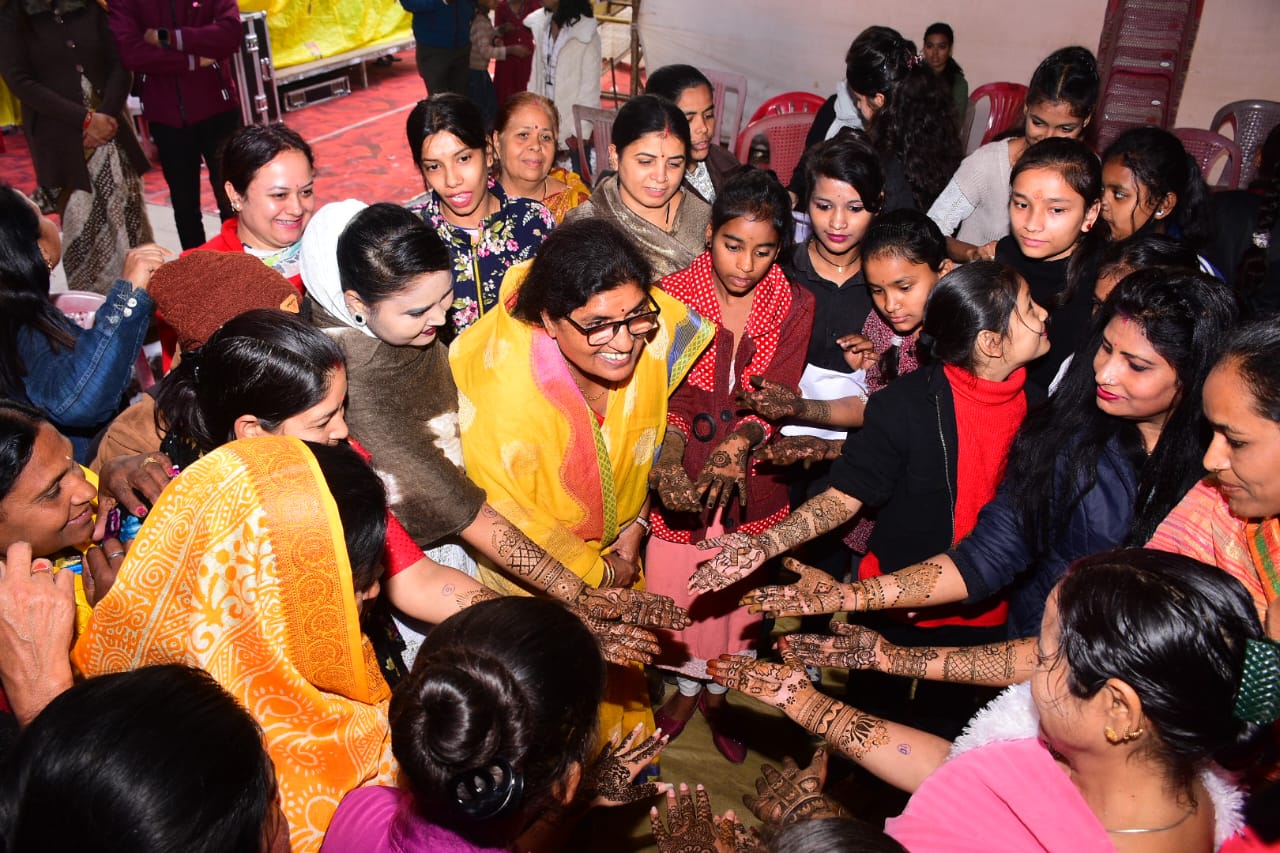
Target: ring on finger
<point>115,554</point>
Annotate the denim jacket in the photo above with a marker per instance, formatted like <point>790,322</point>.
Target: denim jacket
<point>79,389</point>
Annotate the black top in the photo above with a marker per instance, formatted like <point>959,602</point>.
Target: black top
<point>1068,324</point>
<point>1235,218</point>
<point>839,310</point>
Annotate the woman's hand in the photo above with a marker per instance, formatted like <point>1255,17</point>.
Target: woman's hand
<point>805,449</point>
<point>793,794</point>
<point>142,262</point>
<point>132,482</point>
<point>691,826</point>
<point>852,647</point>
<point>676,491</point>
<point>634,607</point>
<point>815,592</point>
<point>101,565</point>
<point>624,571</point>
<point>783,686</point>
<point>985,252</point>
<point>740,555</point>
<point>725,472</point>
<point>772,401</point>
<point>37,618</point>
<point>608,780</point>
<point>101,130</point>
<point>859,352</point>
<point>619,643</point>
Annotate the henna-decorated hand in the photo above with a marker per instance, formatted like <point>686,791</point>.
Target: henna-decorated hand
<point>773,401</point>
<point>740,555</point>
<point>854,647</point>
<point>805,449</point>
<point>794,794</point>
<point>620,643</point>
<point>776,684</point>
<point>815,592</point>
<point>674,488</point>
<point>634,607</point>
<point>725,472</point>
<point>608,780</point>
<point>691,826</point>
<point>859,352</point>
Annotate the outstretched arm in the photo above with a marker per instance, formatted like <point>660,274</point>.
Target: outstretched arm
<point>775,401</point>
<point>741,554</point>
<point>856,647</point>
<point>898,754</point>
<point>925,584</point>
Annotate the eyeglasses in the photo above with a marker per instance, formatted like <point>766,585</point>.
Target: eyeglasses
<point>638,325</point>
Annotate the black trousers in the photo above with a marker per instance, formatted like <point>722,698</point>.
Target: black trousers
<point>181,150</point>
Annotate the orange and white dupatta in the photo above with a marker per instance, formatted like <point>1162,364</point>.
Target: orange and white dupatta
<point>242,570</point>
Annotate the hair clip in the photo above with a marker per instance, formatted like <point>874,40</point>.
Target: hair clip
<point>1262,239</point>
<point>489,792</point>
<point>1259,698</point>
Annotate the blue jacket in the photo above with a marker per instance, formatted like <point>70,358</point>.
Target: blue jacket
<point>440,23</point>
<point>996,553</point>
<point>80,389</point>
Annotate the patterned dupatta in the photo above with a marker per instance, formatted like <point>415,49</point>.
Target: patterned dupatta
<point>1264,548</point>
<point>241,569</point>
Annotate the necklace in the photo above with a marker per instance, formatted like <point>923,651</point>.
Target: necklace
<point>817,247</point>
<point>1177,822</point>
<point>588,397</point>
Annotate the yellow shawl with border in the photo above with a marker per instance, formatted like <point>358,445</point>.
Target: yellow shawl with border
<point>531,442</point>
<point>242,570</point>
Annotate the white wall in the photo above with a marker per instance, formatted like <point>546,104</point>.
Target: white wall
<point>800,44</point>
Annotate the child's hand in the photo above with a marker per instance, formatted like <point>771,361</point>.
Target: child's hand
<point>859,352</point>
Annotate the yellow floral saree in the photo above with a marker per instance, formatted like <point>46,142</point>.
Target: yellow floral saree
<point>242,570</point>
<point>530,441</point>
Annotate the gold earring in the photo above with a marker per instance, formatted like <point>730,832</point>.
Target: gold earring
<point>1111,736</point>
<point>1133,735</point>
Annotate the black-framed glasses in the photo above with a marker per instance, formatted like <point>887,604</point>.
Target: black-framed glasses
<point>638,325</point>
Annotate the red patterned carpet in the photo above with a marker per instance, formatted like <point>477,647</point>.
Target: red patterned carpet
<point>358,140</point>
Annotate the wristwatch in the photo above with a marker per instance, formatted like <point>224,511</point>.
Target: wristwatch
<point>162,36</point>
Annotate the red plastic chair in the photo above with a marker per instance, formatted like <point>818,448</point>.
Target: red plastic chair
<point>1005,102</point>
<point>1207,148</point>
<point>786,134</point>
<point>789,102</point>
<point>81,307</point>
<point>596,125</point>
<point>1251,122</point>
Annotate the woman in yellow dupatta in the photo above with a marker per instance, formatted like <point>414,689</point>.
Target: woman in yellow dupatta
<point>562,393</point>
<point>1231,519</point>
<point>242,569</point>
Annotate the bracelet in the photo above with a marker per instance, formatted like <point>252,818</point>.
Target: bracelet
<point>88,119</point>
<point>610,576</point>
<point>644,523</point>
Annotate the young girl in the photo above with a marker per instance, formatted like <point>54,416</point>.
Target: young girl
<point>709,164</point>
<point>485,231</point>
<point>1060,102</point>
<point>1150,184</point>
<point>646,197</point>
<point>1055,195</point>
<point>929,455</point>
<point>909,119</point>
<point>762,321</point>
<point>935,49</point>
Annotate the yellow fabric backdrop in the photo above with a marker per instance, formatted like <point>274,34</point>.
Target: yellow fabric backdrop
<point>301,31</point>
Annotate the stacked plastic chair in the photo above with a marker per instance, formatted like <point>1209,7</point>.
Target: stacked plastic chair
<point>1250,123</point>
<point>1208,148</point>
<point>1143,56</point>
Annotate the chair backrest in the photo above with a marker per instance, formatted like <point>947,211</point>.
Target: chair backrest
<point>786,133</point>
<point>1251,122</point>
<point>789,102</point>
<point>1207,148</point>
<point>1004,102</point>
<point>728,122</point>
<point>596,125</point>
<point>1131,98</point>
<point>80,306</point>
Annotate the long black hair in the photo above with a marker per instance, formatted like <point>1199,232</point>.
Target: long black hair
<point>1054,459</point>
<point>24,290</point>
<point>266,362</point>
<point>917,122</point>
<point>1161,165</point>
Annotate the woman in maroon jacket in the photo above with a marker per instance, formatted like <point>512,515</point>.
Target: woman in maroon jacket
<point>181,53</point>
<point>763,322</point>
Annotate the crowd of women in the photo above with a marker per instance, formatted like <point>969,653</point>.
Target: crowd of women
<point>446,519</point>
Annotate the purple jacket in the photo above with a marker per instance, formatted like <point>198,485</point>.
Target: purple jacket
<point>176,90</point>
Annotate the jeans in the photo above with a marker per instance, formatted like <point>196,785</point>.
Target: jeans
<point>181,149</point>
